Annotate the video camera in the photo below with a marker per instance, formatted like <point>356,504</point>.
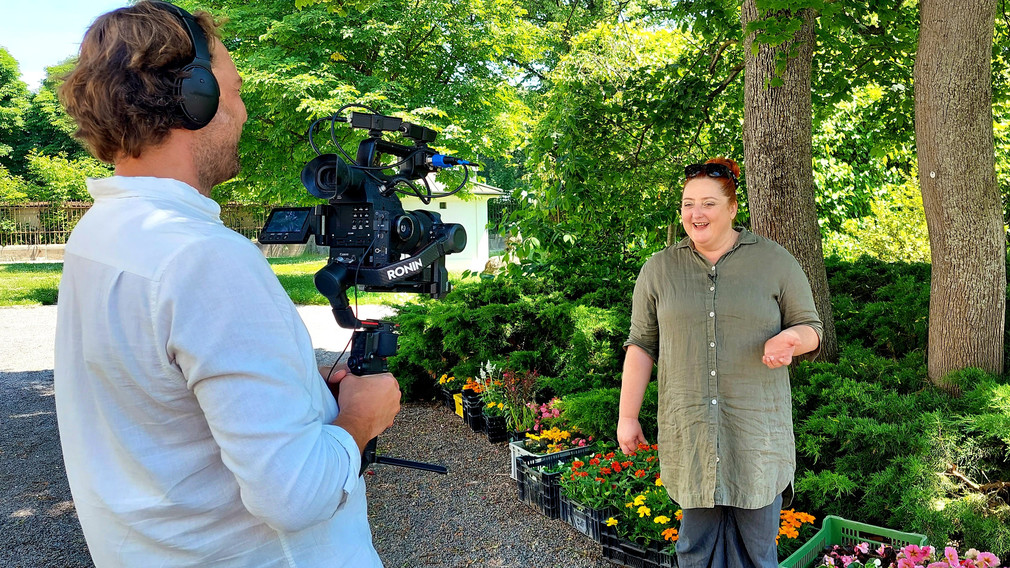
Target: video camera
<point>373,242</point>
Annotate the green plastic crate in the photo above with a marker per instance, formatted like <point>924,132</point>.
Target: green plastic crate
<point>836,530</point>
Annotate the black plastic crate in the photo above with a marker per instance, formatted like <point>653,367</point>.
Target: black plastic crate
<point>583,518</point>
<point>473,413</point>
<point>539,489</point>
<point>627,553</point>
<point>496,430</point>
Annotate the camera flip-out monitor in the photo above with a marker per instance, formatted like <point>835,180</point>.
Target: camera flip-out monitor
<point>287,225</point>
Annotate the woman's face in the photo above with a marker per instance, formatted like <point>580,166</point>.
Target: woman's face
<point>706,213</point>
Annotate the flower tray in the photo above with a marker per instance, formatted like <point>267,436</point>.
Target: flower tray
<point>583,518</point>
<point>496,430</point>
<point>517,450</point>
<point>540,489</point>
<point>836,530</point>
<point>627,553</point>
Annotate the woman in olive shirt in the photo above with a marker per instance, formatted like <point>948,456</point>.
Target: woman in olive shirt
<point>722,313</point>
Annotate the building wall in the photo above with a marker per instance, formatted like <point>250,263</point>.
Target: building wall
<point>472,215</point>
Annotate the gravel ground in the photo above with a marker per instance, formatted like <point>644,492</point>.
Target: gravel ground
<point>470,517</point>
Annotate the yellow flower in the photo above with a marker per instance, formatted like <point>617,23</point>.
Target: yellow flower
<point>640,500</point>
<point>490,405</point>
<point>501,405</point>
<point>679,515</point>
<point>644,511</point>
<point>611,522</point>
<point>659,482</point>
<point>628,505</point>
<point>661,520</point>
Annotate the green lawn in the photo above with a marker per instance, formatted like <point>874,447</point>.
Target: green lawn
<point>29,284</point>
<point>33,284</point>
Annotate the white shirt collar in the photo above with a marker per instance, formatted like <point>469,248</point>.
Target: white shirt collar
<point>159,189</point>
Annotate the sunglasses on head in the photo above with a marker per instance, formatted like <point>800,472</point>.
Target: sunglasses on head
<point>711,170</point>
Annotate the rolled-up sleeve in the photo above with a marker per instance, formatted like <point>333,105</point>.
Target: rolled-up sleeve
<point>644,322</point>
<point>796,302</point>
<point>241,347</point>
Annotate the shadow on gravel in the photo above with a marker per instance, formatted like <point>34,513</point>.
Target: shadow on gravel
<point>38,523</point>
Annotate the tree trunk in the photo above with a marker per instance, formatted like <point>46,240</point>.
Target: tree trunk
<point>777,139</point>
<point>954,141</point>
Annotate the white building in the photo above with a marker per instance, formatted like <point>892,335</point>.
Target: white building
<point>473,215</point>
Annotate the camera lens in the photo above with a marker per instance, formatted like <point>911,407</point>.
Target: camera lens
<point>404,228</point>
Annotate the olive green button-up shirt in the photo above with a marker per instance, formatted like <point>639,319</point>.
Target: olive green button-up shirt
<point>725,419</point>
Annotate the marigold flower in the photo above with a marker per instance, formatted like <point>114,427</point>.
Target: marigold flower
<point>650,459</point>
<point>611,522</point>
<point>594,461</point>
<point>670,534</point>
<point>643,447</point>
<point>640,500</point>
<point>601,480</point>
<point>661,520</point>
<point>629,505</point>
<point>582,473</point>
<point>577,464</point>
<point>644,511</point>
<point>655,447</point>
<point>640,473</point>
<point>628,463</point>
<point>679,515</point>
<point>606,471</point>
<point>659,482</point>
<point>609,456</point>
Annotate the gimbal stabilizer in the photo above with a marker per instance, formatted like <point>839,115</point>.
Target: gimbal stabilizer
<point>373,242</point>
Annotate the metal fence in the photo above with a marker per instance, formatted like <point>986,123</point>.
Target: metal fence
<point>51,223</point>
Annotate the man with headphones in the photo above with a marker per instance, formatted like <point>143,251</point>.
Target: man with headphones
<point>196,428</point>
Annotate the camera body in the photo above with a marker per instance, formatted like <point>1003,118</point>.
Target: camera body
<point>383,247</point>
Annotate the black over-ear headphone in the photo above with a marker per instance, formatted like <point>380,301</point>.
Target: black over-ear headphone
<point>199,91</point>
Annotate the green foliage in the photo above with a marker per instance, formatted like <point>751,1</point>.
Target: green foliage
<point>872,435</point>
<point>895,230</point>
<point>57,178</point>
<point>883,306</point>
<point>14,101</point>
<point>594,412</point>
<point>547,322</point>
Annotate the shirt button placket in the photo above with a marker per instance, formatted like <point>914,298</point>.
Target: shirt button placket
<point>713,380</point>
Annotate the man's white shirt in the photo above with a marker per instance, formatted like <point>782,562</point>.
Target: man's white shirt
<point>195,426</point>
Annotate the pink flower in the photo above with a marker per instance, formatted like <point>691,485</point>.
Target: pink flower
<point>917,554</point>
<point>863,548</point>
<point>882,550</point>
<point>939,565</point>
<point>950,553</point>
<point>904,562</point>
<point>846,560</point>
<point>987,560</point>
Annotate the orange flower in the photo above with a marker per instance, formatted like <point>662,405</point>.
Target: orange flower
<point>640,473</point>
<point>577,464</point>
<point>679,515</point>
<point>609,456</point>
<point>594,461</point>
<point>655,447</point>
<point>670,534</point>
<point>628,463</point>
<point>606,471</point>
<point>643,447</point>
